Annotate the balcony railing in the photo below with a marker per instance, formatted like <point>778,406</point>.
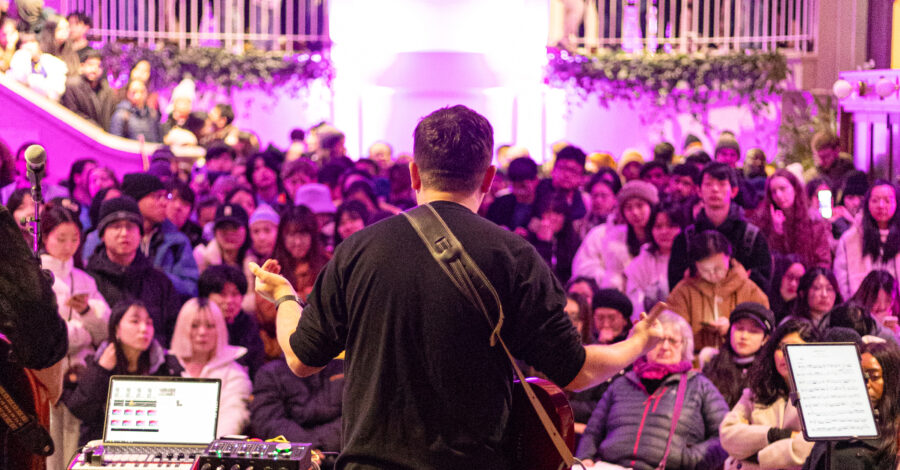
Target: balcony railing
<point>233,24</point>
<point>685,25</point>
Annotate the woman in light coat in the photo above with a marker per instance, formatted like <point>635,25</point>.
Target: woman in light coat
<point>763,429</point>
<point>875,244</point>
<point>200,342</point>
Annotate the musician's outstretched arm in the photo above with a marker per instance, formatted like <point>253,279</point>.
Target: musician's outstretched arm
<point>602,361</point>
<point>273,286</point>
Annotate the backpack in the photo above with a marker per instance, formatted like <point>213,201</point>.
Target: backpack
<point>747,241</point>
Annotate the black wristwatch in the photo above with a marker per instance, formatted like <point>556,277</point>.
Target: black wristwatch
<point>287,298</point>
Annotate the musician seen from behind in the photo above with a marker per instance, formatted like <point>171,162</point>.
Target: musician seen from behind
<point>32,334</point>
<point>424,386</point>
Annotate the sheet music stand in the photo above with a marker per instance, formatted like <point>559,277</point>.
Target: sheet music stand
<point>828,389</point>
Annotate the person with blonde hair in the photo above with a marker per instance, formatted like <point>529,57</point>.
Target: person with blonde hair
<point>200,342</point>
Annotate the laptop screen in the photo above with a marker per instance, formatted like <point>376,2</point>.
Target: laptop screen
<point>161,410</point>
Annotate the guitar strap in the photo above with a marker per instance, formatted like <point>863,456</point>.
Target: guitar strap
<point>26,428</point>
<point>475,286</point>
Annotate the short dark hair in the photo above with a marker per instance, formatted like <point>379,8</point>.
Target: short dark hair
<point>297,134</point>
<point>664,152</point>
<point>81,16</point>
<point>89,53</point>
<point>652,164</point>
<point>226,111</point>
<point>453,147</point>
<point>721,172</point>
<point>698,158</point>
<point>684,169</point>
<point>522,169</point>
<point>77,169</point>
<point>214,278</point>
<point>573,153</point>
<point>706,244</point>
<point>181,190</point>
<point>220,149</point>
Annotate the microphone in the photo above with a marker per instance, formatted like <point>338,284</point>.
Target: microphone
<point>36,158</point>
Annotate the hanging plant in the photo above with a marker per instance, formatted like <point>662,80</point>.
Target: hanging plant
<point>674,82</point>
<point>220,69</point>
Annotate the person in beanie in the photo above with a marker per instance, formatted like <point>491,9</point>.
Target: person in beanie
<point>166,247</point>
<point>609,247</point>
<point>263,233</point>
<point>122,271</point>
<point>751,325</point>
<point>611,314</point>
<point>763,430</point>
<point>513,211</point>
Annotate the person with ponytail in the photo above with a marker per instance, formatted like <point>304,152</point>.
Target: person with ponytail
<point>875,244</point>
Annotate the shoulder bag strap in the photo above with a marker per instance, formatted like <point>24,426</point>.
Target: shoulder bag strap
<point>679,402</point>
<point>473,284</point>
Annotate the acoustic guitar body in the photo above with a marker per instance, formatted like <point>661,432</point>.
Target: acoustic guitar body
<point>526,442</point>
<point>23,387</point>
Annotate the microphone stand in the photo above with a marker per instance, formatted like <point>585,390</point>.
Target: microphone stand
<point>38,198</point>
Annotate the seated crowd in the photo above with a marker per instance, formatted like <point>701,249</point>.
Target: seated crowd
<point>152,269</point>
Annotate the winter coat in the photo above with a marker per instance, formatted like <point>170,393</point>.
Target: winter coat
<point>700,301</point>
<point>130,122</point>
<point>171,252</point>
<point>96,105</point>
<point>755,258</point>
<point>855,454</point>
<point>235,391</point>
<point>603,256</point>
<point>851,266</point>
<point>744,434</point>
<point>813,246</point>
<point>88,400</point>
<point>646,280</point>
<point>244,331</point>
<point>301,409</point>
<point>142,281</point>
<point>84,331</point>
<point>630,427</point>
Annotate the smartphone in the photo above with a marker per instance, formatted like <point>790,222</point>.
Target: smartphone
<point>825,207</point>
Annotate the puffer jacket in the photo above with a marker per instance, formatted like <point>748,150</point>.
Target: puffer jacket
<point>700,301</point>
<point>603,256</point>
<point>744,435</point>
<point>88,400</point>
<point>302,409</point>
<point>233,412</point>
<point>630,427</point>
<point>171,252</point>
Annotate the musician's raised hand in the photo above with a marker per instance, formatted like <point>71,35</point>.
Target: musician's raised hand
<point>649,326</point>
<point>269,283</point>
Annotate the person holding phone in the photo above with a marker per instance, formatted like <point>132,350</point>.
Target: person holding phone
<point>874,244</point>
<point>763,429</point>
<point>787,225</point>
<point>878,294</point>
<point>81,306</point>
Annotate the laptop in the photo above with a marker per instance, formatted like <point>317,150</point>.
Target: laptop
<point>159,419</point>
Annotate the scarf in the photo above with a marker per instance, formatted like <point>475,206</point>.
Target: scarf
<point>655,371</point>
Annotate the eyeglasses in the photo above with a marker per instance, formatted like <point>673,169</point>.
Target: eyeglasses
<point>672,341</point>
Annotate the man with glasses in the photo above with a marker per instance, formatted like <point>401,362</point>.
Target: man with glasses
<point>168,249</point>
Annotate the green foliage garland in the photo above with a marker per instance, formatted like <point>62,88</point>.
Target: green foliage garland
<point>217,68</point>
<point>675,81</point>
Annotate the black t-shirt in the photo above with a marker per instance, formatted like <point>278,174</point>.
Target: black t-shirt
<point>424,387</point>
